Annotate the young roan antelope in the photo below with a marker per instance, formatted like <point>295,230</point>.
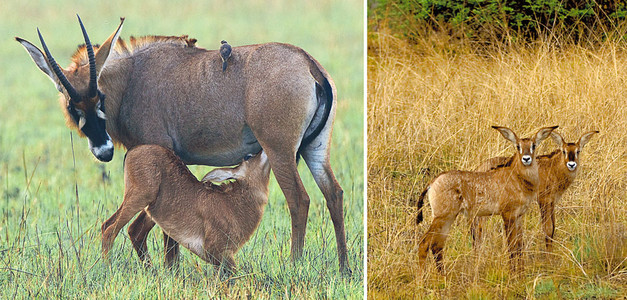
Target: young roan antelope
<point>506,191</point>
<point>212,221</point>
<point>557,172</point>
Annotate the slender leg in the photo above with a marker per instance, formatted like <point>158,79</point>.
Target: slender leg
<point>513,231</point>
<point>131,205</point>
<point>549,245</point>
<point>171,248</point>
<point>548,221</point>
<point>280,131</point>
<point>228,265</point>
<point>476,229</point>
<point>287,176</point>
<point>318,163</point>
<point>434,239</point>
<point>138,233</point>
<point>223,262</point>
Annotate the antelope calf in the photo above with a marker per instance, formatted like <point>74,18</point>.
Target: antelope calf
<point>507,191</point>
<point>212,221</point>
<point>557,172</point>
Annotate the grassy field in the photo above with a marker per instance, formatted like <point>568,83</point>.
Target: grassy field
<point>55,195</point>
<point>430,108</point>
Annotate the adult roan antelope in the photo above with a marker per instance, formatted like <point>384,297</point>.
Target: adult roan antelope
<point>557,171</point>
<point>166,91</point>
<point>506,191</point>
<point>212,221</point>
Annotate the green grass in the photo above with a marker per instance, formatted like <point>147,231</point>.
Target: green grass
<point>54,195</point>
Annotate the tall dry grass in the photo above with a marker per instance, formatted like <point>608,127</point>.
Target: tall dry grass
<point>430,108</point>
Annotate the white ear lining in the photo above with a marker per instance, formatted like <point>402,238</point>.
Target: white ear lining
<point>218,175</point>
<point>111,49</point>
<point>40,60</point>
<point>101,114</point>
<point>81,122</point>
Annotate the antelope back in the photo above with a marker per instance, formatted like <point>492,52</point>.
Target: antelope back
<point>82,100</point>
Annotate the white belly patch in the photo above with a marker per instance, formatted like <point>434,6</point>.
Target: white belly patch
<point>194,244</point>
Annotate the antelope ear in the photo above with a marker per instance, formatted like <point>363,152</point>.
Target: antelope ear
<point>507,134</point>
<point>107,47</point>
<point>543,133</point>
<point>40,60</point>
<point>557,138</point>
<point>223,174</point>
<point>583,140</point>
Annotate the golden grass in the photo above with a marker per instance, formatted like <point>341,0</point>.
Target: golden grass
<point>430,108</point>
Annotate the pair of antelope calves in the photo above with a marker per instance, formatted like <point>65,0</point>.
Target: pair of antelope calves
<point>212,221</point>
<point>504,186</point>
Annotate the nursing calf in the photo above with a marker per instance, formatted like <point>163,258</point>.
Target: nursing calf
<point>212,221</point>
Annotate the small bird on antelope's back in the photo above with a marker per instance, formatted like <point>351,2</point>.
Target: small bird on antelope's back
<point>225,53</point>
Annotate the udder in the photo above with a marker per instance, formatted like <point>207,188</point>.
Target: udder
<point>218,153</point>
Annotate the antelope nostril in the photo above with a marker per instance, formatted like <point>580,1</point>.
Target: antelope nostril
<point>103,152</point>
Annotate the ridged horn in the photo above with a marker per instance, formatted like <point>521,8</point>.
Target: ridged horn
<point>57,71</point>
<point>93,77</point>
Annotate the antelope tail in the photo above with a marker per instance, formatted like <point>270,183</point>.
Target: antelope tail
<point>325,96</point>
<point>421,201</point>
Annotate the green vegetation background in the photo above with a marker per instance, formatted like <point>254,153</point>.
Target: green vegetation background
<point>50,235</point>
<point>499,20</point>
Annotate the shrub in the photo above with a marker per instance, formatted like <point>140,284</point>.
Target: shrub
<point>503,20</point>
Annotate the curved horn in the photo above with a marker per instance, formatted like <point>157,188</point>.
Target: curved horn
<point>93,84</point>
<point>57,71</point>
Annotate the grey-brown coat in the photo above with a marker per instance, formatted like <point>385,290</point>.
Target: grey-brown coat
<point>166,91</point>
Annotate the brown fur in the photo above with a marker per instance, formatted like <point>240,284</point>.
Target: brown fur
<point>167,92</point>
<point>506,191</point>
<point>555,179</point>
<point>213,221</point>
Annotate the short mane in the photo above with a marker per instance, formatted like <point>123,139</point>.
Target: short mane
<point>126,49</point>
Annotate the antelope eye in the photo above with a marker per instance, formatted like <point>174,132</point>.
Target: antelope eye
<point>533,147</point>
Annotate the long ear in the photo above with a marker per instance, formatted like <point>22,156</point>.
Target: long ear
<point>223,174</point>
<point>107,47</point>
<point>557,138</point>
<point>583,140</point>
<point>507,134</point>
<point>40,60</point>
<point>543,133</point>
